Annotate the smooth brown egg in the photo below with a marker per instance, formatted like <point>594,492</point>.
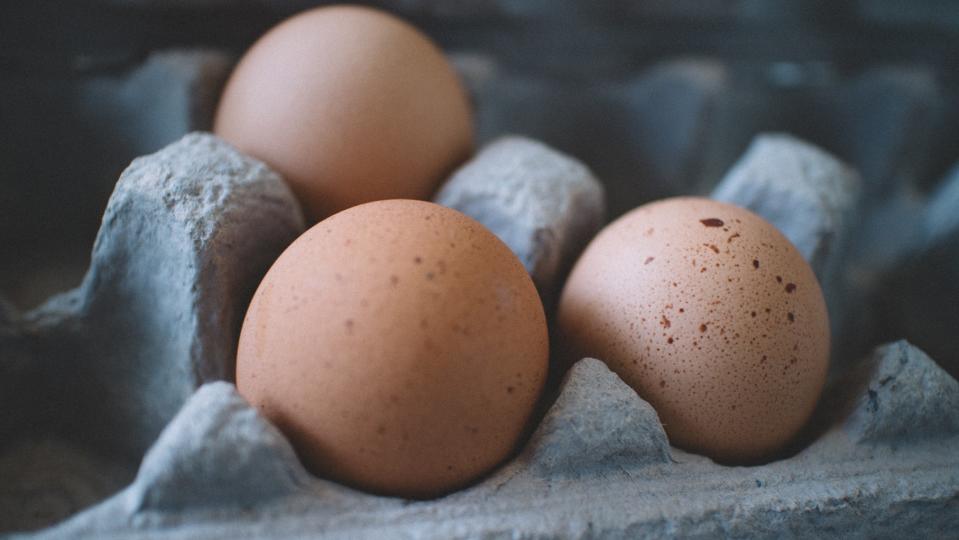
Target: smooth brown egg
<point>712,316</point>
<point>399,345</point>
<point>350,105</point>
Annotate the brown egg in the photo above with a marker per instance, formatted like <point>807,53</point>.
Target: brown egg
<point>400,346</point>
<point>350,105</point>
<point>712,316</point>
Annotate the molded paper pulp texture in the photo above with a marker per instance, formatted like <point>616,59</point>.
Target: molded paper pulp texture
<point>120,422</point>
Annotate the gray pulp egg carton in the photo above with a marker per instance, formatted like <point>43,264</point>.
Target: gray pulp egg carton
<point>119,421</point>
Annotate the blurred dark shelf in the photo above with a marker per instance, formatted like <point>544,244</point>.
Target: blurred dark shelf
<point>58,38</point>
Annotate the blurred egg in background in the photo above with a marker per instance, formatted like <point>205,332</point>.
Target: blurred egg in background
<point>350,105</point>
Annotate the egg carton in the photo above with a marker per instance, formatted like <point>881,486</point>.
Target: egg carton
<point>117,419</point>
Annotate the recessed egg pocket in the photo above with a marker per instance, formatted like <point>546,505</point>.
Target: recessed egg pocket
<point>119,418</point>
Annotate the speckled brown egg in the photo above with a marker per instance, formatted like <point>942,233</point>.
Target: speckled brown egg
<point>712,316</point>
<point>399,345</point>
<point>351,105</point>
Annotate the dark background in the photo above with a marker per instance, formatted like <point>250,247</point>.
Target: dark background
<point>658,97</point>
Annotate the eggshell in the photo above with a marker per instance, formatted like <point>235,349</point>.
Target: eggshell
<point>350,105</point>
<point>400,346</point>
<point>712,316</point>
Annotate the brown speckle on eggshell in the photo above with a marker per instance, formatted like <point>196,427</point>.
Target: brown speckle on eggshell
<point>750,340</point>
<point>400,346</point>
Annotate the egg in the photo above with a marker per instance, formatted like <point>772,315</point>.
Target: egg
<point>350,105</point>
<point>712,316</point>
<point>399,345</point>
